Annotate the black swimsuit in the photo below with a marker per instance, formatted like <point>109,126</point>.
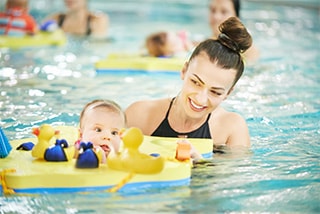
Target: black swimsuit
<point>165,130</point>
<point>61,18</point>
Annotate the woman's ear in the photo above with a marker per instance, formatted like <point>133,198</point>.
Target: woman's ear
<point>184,70</point>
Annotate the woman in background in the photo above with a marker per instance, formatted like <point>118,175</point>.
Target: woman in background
<point>78,20</point>
<point>219,11</point>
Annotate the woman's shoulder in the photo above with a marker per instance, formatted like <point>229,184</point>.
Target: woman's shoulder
<point>99,16</point>
<point>99,22</point>
<point>226,118</point>
<point>146,114</point>
<point>147,109</point>
<point>252,55</point>
<point>228,127</point>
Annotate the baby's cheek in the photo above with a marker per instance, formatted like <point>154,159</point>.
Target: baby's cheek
<point>90,138</point>
<point>116,143</point>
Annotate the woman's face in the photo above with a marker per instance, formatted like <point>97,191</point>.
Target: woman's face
<point>219,11</point>
<point>74,5</point>
<point>205,86</point>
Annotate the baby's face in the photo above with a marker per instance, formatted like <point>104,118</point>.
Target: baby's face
<point>101,127</point>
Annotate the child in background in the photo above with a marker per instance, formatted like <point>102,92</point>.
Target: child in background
<point>168,44</point>
<point>100,124</point>
<point>16,21</point>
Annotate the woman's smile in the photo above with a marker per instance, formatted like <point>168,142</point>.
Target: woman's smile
<point>195,106</point>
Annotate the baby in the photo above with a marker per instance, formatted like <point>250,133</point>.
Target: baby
<point>100,124</point>
<point>16,21</point>
<point>168,44</point>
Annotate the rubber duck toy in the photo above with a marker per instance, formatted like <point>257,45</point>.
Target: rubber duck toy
<point>131,159</point>
<point>44,134</point>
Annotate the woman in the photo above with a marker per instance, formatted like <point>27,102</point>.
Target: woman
<point>78,20</point>
<point>208,77</point>
<point>219,11</point>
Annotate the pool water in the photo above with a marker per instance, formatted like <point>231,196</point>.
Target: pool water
<point>278,96</point>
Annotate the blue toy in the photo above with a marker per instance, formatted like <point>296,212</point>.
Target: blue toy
<point>5,146</point>
<point>49,26</point>
<point>27,146</point>
<point>57,153</point>
<point>87,157</point>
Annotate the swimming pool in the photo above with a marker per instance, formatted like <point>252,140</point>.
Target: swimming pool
<point>278,96</point>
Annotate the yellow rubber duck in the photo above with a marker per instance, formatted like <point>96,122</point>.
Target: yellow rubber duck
<point>44,134</point>
<point>131,159</point>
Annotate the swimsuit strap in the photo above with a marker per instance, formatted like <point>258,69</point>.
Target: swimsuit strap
<point>61,19</point>
<point>208,118</point>
<point>88,25</point>
<point>171,102</point>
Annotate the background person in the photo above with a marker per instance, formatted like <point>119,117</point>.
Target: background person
<point>16,20</point>
<point>168,44</point>
<point>219,11</point>
<point>78,20</point>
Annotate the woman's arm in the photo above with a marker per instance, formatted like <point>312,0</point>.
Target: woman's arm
<point>239,133</point>
<point>100,25</point>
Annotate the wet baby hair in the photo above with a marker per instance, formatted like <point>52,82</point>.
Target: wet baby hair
<point>98,103</point>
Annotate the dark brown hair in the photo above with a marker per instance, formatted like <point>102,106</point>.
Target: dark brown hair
<point>236,6</point>
<point>233,40</point>
<point>17,3</point>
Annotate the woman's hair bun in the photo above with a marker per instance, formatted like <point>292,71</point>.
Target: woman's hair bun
<point>234,35</point>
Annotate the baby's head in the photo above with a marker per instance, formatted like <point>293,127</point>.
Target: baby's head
<point>166,44</point>
<point>17,4</point>
<point>100,124</point>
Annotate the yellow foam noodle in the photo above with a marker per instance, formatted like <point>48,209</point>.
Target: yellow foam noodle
<point>55,38</point>
<point>118,62</point>
<point>21,173</point>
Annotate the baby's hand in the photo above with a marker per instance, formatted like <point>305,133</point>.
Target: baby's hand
<point>193,153</point>
<point>100,154</point>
